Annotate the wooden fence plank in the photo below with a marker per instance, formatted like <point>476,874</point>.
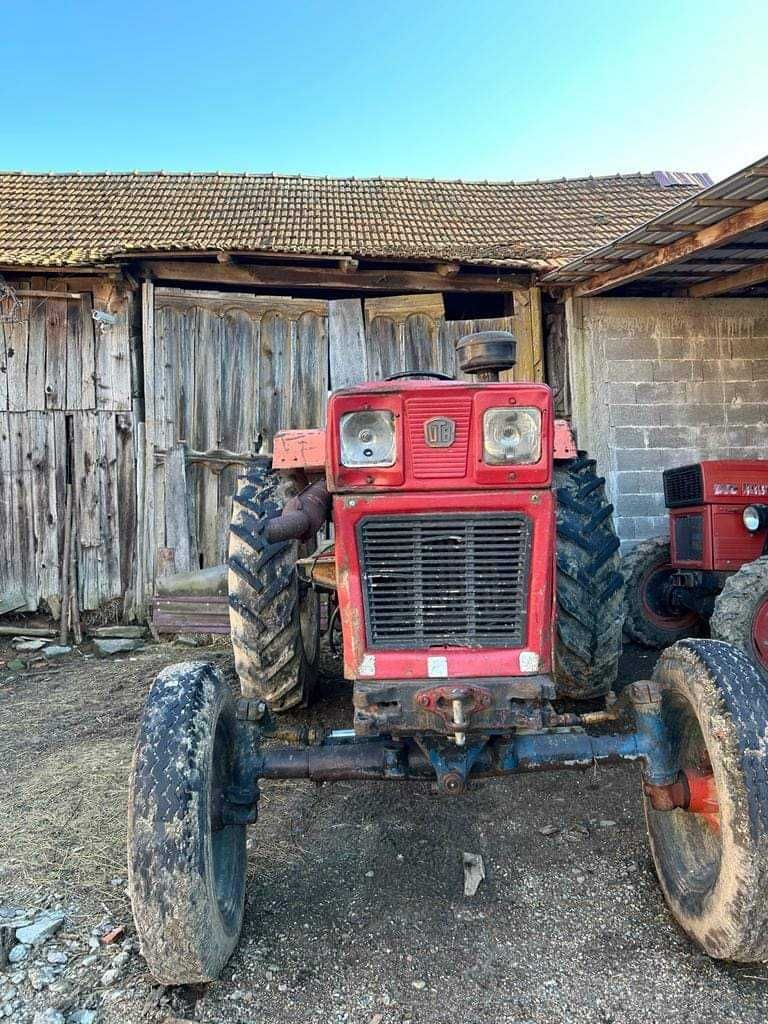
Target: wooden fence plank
<point>125,436</point>
<point>17,355</point>
<point>206,429</point>
<point>347,347</point>
<point>12,595</point>
<point>176,512</point>
<point>86,504</point>
<point>56,349</point>
<point>36,360</point>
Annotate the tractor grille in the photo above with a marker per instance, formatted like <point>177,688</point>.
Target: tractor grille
<point>689,537</point>
<point>447,580</point>
<point>683,486</point>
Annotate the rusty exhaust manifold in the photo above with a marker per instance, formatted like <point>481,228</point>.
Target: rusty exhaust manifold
<point>302,516</point>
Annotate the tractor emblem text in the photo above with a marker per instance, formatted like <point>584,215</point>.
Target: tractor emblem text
<point>440,432</point>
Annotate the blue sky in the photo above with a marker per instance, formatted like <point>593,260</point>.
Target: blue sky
<point>484,89</point>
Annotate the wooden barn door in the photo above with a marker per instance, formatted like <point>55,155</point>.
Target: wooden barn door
<point>230,370</point>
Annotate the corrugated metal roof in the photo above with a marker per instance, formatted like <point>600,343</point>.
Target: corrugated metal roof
<point>740,191</point>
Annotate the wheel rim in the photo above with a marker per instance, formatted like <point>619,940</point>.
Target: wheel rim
<point>655,601</point>
<point>227,853</point>
<point>688,846</point>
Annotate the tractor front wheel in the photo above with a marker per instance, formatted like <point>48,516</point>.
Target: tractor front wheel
<point>712,863</point>
<point>274,618</point>
<point>740,615</point>
<point>589,585</point>
<point>651,620</point>
<point>186,863</point>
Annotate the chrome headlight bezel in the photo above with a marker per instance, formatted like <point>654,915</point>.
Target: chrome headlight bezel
<point>512,435</point>
<point>378,450</point>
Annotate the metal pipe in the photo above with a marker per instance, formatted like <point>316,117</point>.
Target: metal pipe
<point>302,516</point>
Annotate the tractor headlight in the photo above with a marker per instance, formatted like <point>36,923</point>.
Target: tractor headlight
<point>368,438</point>
<point>511,436</point>
<point>755,517</point>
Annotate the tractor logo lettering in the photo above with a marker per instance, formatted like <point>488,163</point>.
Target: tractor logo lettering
<point>755,490</point>
<point>440,432</point>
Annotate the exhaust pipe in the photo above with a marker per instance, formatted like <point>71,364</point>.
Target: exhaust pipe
<point>302,516</point>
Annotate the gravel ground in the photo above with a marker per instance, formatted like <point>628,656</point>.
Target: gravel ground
<point>355,910</point>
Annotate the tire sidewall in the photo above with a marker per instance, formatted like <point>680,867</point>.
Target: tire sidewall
<point>717,928</point>
<point>184,936</point>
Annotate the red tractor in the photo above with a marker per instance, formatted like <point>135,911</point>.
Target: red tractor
<point>714,568</point>
<point>474,572</point>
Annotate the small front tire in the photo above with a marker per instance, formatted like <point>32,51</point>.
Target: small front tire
<point>186,870</point>
<point>713,867</point>
<point>650,620</point>
<point>740,615</point>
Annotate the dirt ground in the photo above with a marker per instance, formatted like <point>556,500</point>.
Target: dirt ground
<point>355,908</point>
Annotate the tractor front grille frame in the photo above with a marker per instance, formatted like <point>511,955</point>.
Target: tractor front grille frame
<point>683,486</point>
<point>448,580</point>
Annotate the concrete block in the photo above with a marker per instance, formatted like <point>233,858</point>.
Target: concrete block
<point>750,347</point>
<point>634,415</point>
<point>627,370</point>
<point>670,437</point>
<point>638,481</point>
<point>656,458</point>
<point>709,392</point>
<point>640,504</point>
<point>746,391</point>
<point>651,526</point>
<point>631,346</point>
<point>630,437</point>
<point>743,415</point>
<point>677,369</point>
<point>621,394</point>
<point>670,391</point>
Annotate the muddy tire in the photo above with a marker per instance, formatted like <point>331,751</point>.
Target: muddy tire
<point>274,620</point>
<point>588,583</point>
<point>649,619</point>
<point>740,615</point>
<point>186,870</point>
<point>713,869</point>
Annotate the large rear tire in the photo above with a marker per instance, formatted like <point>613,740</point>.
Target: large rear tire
<point>274,619</point>
<point>589,585</point>
<point>650,619</point>
<point>713,866</point>
<point>740,615</point>
<point>186,869</point>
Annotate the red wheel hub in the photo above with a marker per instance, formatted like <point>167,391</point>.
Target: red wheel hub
<point>655,600</point>
<point>760,633</point>
<point>694,791</point>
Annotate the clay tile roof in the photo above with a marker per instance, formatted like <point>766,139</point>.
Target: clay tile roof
<point>71,219</point>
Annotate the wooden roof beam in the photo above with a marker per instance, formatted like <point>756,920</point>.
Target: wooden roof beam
<point>674,252</point>
<point>331,278</point>
<point>726,204</point>
<point>757,274</point>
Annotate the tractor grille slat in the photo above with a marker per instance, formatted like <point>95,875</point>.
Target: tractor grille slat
<point>457,580</point>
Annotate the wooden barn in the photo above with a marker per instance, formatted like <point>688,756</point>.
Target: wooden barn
<point>157,329</point>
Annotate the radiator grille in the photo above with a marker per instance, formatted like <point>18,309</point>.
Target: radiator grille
<point>447,580</point>
<point>683,486</point>
<point>689,537</point>
<point>438,462</point>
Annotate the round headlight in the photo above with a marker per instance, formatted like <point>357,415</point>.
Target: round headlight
<point>511,436</point>
<point>751,518</point>
<point>368,438</point>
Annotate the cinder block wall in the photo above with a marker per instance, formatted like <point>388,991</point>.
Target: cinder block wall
<point>665,382</point>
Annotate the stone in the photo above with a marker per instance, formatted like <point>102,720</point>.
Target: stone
<point>549,830</point>
<point>56,956</point>
<point>118,633</point>
<point>23,645</point>
<point>121,959</point>
<point>57,650</point>
<point>18,953</point>
<point>81,1017</point>
<point>42,928</point>
<point>419,984</point>
<point>16,665</point>
<point>41,977</point>
<point>117,646</point>
<point>110,977</point>
<point>186,640</point>
<point>49,1016</point>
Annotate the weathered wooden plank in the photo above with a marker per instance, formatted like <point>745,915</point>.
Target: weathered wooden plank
<point>88,523</point>
<point>56,348</point>
<point>17,354</point>
<point>420,336</point>
<point>36,358</point>
<point>47,554</point>
<point>206,429</point>
<point>346,343</point>
<point>309,373</point>
<point>147,544</point>
<point>12,595</point>
<point>23,537</point>
<point>79,314</point>
<point>113,348</point>
<point>273,345</point>
<point>110,574</point>
<point>254,306</point>
<point>400,307</point>
<point>379,280</point>
<point>125,437</point>
<point>176,512</point>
